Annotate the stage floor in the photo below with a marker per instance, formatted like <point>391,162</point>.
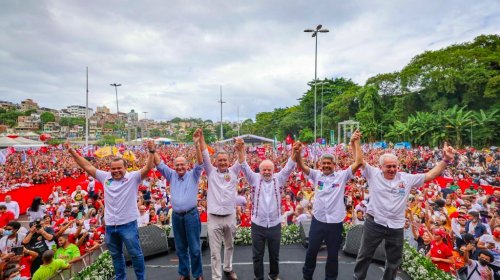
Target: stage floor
<point>291,261</point>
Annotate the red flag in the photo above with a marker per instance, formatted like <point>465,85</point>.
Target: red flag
<point>289,139</point>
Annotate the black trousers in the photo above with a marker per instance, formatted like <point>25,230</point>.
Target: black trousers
<point>261,235</point>
<point>331,233</point>
<point>373,234</point>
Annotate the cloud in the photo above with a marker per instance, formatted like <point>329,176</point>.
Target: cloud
<point>172,57</point>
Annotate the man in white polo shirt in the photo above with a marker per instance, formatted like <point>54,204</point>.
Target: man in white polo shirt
<point>266,187</point>
<point>329,210</point>
<point>221,204</point>
<point>385,218</point>
<point>120,214</point>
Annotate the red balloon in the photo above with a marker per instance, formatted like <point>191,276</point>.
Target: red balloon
<point>44,137</point>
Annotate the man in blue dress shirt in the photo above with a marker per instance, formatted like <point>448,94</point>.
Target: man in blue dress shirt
<point>185,217</point>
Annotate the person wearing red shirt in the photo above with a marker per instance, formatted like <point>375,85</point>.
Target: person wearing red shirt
<point>441,254</point>
<point>203,214</point>
<point>246,218</point>
<point>289,206</point>
<point>5,216</point>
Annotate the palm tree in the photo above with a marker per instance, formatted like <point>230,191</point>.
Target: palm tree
<point>485,125</point>
<point>457,120</point>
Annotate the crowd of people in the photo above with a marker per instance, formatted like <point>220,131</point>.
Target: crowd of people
<point>454,227</point>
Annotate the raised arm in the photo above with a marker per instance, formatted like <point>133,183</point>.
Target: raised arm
<point>81,161</point>
<point>240,149</point>
<point>298,158</point>
<point>197,139</point>
<point>356,150</point>
<point>448,156</point>
<point>151,159</point>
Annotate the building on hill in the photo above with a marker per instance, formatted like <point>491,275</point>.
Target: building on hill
<point>28,104</point>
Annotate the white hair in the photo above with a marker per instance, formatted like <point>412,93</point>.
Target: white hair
<point>266,161</point>
<point>383,157</point>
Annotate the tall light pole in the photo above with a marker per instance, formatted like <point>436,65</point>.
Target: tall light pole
<point>116,91</point>
<point>221,102</point>
<point>146,124</point>
<point>87,112</point>
<point>315,35</point>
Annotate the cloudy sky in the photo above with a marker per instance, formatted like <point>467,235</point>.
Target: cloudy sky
<point>172,56</point>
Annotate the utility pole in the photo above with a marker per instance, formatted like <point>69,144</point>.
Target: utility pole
<point>221,102</point>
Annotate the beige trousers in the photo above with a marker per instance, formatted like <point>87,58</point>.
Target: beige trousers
<point>221,230</point>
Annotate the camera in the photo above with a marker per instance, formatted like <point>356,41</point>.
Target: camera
<point>17,250</point>
<point>38,224</point>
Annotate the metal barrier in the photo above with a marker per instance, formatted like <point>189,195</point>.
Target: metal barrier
<point>85,261</point>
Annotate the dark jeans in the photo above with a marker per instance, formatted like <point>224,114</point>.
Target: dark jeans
<point>127,234</point>
<point>373,234</point>
<point>331,233</point>
<point>187,229</point>
<point>261,235</point>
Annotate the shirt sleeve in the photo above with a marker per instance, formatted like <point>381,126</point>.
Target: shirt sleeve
<point>198,168</point>
<point>209,168</point>
<point>368,171</point>
<point>101,176</point>
<point>286,171</point>
<point>251,176</point>
<point>413,180</point>
<point>166,171</point>
<point>313,175</point>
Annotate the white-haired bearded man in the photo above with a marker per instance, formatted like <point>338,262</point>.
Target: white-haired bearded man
<point>266,189</point>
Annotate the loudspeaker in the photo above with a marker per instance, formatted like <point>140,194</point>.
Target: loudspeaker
<point>305,227</point>
<point>203,237</point>
<point>153,241</point>
<point>353,243</point>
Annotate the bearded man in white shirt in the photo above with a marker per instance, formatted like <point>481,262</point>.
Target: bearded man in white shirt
<point>266,187</point>
<point>221,204</point>
<point>329,210</point>
<point>385,214</point>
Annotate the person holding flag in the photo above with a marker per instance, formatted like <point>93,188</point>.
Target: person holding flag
<point>329,210</point>
<point>120,214</point>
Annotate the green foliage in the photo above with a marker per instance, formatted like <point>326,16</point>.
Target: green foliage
<point>9,117</point>
<point>101,269</point>
<point>46,117</point>
<point>66,121</point>
<point>439,96</point>
<point>107,140</point>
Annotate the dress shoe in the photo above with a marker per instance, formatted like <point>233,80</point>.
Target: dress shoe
<point>231,275</point>
<point>184,278</point>
<point>199,278</point>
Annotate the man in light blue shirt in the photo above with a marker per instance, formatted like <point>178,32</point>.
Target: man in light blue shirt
<point>185,217</point>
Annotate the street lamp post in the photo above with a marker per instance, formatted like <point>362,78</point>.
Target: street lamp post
<point>315,35</point>
<point>87,111</point>
<point>116,91</point>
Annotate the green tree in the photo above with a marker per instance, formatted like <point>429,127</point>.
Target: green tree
<point>46,117</point>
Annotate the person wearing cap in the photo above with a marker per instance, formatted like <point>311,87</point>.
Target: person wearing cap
<point>266,188</point>
<point>440,253</point>
<point>221,208</point>
<point>329,209</point>
<point>186,223</point>
<point>120,193</point>
<point>385,218</point>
